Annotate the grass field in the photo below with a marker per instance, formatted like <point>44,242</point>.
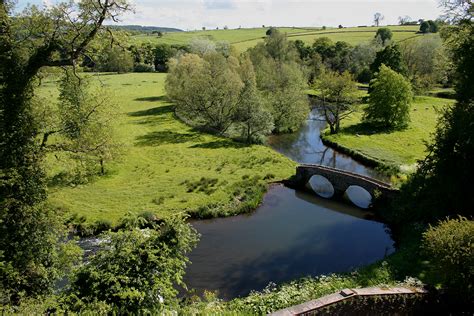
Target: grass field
<point>243,39</point>
<point>167,167</point>
<point>400,148</point>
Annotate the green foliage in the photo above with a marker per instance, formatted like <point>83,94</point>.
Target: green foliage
<point>429,26</point>
<point>450,247</point>
<point>33,252</point>
<point>391,57</point>
<point>442,184</point>
<point>255,120</point>
<point>425,27</point>
<point>143,68</point>
<point>205,90</point>
<point>460,43</point>
<point>389,101</point>
<point>426,62</point>
<point>82,126</point>
<point>335,56</point>
<point>384,34</point>
<point>281,81</point>
<point>362,56</point>
<point>136,270</point>
<point>115,59</point>
<point>338,93</point>
<point>164,52</point>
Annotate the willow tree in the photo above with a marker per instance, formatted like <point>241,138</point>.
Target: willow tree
<point>31,259</point>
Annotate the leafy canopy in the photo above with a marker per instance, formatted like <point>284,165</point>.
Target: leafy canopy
<point>389,100</point>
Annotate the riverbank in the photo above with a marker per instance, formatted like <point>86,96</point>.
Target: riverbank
<point>392,152</point>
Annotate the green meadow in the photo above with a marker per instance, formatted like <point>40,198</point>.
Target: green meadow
<point>166,166</point>
<point>243,39</point>
<point>401,148</point>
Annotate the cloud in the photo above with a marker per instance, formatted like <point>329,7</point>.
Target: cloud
<point>194,14</point>
<point>219,4</point>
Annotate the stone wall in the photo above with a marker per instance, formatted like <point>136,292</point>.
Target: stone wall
<point>365,301</point>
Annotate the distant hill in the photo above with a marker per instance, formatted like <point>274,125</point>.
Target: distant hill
<point>146,29</point>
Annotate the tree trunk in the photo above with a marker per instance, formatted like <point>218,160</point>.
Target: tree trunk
<point>102,168</point>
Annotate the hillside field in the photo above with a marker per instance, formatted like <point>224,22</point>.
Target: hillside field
<point>243,39</point>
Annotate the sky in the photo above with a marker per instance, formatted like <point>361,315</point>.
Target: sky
<point>195,14</point>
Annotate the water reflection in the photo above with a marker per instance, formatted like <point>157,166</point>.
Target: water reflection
<point>306,146</point>
<point>293,234</point>
<point>359,196</point>
<point>321,186</point>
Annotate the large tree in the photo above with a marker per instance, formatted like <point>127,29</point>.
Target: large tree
<point>31,257</point>
<point>281,80</point>
<point>389,100</point>
<point>338,93</point>
<point>205,89</point>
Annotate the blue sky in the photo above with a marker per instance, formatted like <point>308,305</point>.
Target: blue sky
<point>194,14</point>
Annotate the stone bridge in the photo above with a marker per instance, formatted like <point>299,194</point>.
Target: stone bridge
<point>331,182</point>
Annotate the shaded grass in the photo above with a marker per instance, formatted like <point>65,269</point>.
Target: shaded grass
<point>160,152</point>
<point>400,148</point>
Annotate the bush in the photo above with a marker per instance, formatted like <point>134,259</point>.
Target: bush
<point>102,225</point>
<point>143,68</point>
<point>450,245</point>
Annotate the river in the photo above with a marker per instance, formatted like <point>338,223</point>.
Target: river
<point>292,234</point>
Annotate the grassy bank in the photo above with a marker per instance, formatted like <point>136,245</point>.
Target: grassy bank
<point>400,149</point>
<point>166,166</point>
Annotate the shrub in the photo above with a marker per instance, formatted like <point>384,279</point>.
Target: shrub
<point>450,245</point>
<point>136,270</point>
<point>143,68</point>
<point>102,225</point>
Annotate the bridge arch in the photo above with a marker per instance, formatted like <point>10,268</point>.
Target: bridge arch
<point>321,186</point>
<point>359,196</point>
<point>341,181</point>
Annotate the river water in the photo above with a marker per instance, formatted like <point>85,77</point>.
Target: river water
<point>292,234</point>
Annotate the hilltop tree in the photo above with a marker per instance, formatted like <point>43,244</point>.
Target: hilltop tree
<point>389,100</point>
<point>338,93</point>
<point>378,17</point>
<point>32,259</point>
<point>404,20</point>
